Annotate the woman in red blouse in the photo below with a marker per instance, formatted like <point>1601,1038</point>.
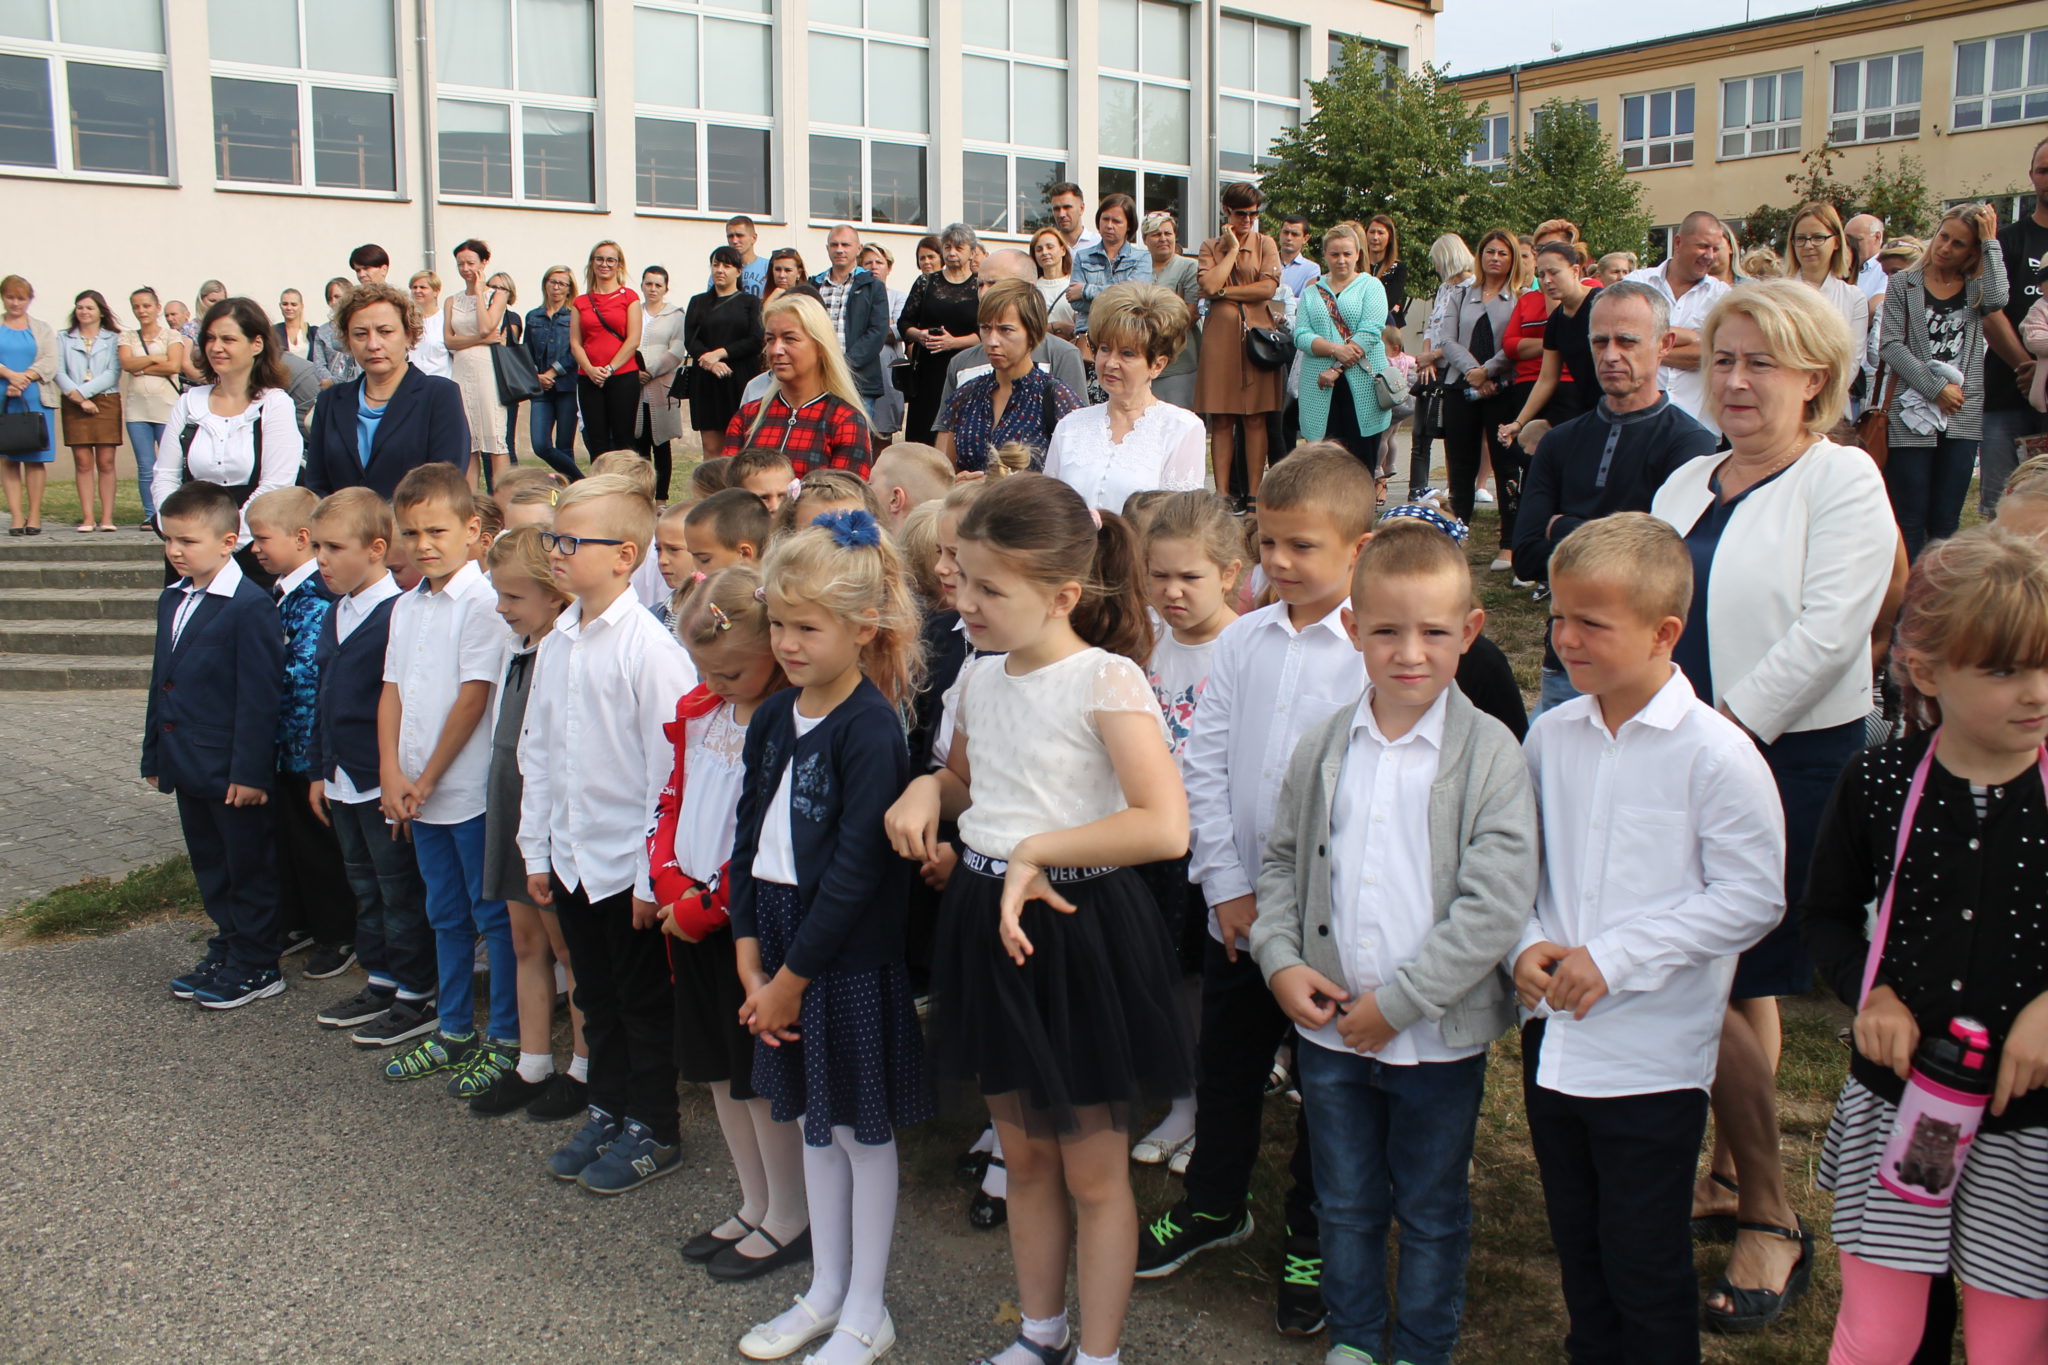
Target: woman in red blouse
<point>812,412</point>
<point>604,336</point>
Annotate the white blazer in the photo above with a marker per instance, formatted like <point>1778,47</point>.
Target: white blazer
<point>1798,580</point>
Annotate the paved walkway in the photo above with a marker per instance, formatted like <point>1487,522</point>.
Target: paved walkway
<point>68,783</point>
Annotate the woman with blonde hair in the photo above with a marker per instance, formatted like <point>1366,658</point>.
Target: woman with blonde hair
<point>1338,331</point>
<point>604,337</point>
<point>1136,440</point>
<point>552,427</point>
<point>1452,261</point>
<point>1818,256</point>
<point>812,412</point>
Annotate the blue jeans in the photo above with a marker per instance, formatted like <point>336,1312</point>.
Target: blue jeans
<point>1928,485</point>
<point>452,865</point>
<point>392,941</point>
<point>1392,1143</point>
<point>144,437</point>
<point>1556,690</point>
<point>553,428</point>
<point>2003,428</point>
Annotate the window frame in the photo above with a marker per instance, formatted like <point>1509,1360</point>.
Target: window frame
<point>1592,108</point>
<point>866,134</point>
<point>1646,145</point>
<point>516,103</point>
<point>1011,150</point>
<point>57,56</point>
<point>1750,127</point>
<point>704,119</point>
<point>1259,99</point>
<point>1140,166</point>
<point>1863,111</point>
<point>1987,98</point>
<point>1499,131</point>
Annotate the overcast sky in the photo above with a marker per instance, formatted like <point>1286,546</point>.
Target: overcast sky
<point>1479,35</point>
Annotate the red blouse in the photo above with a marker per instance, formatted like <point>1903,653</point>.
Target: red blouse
<point>603,318</point>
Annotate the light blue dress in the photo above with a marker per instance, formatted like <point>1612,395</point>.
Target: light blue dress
<point>18,352</point>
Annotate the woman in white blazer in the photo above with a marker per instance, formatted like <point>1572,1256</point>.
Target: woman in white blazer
<point>1793,543</point>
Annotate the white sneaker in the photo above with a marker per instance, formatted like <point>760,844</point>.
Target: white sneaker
<point>764,1342</point>
<point>1181,1157</point>
<point>1482,495</point>
<point>878,1345</point>
<point>1152,1151</point>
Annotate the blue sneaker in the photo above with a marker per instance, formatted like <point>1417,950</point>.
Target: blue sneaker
<point>590,1142</point>
<point>232,987</point>
<point>182,987</point>
<point>633,1159</point>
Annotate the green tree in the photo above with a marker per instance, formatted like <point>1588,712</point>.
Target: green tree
<point>1566,169</point>
<point>1380,141</point>
<point>1899,195</point>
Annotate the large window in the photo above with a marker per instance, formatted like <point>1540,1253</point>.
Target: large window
<point>870,111</point>
<point>518,100</point>
<point>1146,137</point>
<point>1656,129</point>
<point>280,69</point>
<point>82,87</point>
<point>2001,80</point>
<point>1760,114</point>
<point>1013,113</point>
<point>1496,142</point>
<point>705,106</point>
<point>1876,99</point>
<point>1259,69</point>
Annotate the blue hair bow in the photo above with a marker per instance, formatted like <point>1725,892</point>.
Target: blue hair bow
<point>1449,525</point>
<point>852,529</point>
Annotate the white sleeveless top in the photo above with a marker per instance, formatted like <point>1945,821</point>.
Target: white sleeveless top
<point>1034,754</point>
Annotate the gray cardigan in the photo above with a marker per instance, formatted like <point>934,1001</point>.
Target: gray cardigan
<point>1483,842</point>
<point>1904,349</point>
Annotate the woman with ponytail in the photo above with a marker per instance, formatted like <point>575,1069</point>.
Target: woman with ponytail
<point>1053,989</point>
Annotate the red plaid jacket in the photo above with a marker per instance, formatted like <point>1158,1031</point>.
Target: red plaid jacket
<point>825,433</point>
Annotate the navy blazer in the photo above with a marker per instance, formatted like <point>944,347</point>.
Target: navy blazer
<point>849,771</point>
<point>423,422</point>
<point>351,674</point>
<point>867,327</point>
<point>214,699</point>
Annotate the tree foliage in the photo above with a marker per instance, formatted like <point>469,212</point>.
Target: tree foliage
<point>1566,169</point>
<point>1895,192</point>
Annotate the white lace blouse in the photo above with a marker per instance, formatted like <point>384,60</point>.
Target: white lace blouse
<point>1034,755</point>
<point>711,795</point>
<point>1163,449</point>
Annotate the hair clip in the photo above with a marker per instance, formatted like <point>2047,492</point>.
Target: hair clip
<point>1095,515</point>
<point>697,576</point>
<point>718,615</point>
<point>554,496</point>
<point>795,489</point>
<point>852,529</point>
<point>761,592</point>
<point>1449,525</point>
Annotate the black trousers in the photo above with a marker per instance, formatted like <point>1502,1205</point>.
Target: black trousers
<point>655,451</point>
<point>628,1003</point>
<point>608,412</point>
<point>234,860</point>
<point>1242,1027</point>
<point>1469,428</point>
<point>1617,1184</point>
<point>313,887</point>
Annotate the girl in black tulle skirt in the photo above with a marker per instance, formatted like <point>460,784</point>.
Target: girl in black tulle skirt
<point>1053,978</point>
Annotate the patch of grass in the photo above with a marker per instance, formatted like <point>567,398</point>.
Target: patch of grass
<point>98,905</point>
<point>60,498</point>
<point>1515,620</point>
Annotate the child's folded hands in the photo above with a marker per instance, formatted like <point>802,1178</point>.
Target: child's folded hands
<point>1306,996</point>
<point>1576,984</point>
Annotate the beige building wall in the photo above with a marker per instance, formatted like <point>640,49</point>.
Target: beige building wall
<point>1958,162</point>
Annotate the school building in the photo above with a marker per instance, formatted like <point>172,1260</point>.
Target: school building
<point>1717,119</point>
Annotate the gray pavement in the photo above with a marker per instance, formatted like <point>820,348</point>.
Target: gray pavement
<point>74,804</point>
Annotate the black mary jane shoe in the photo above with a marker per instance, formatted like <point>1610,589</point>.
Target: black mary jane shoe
<point>971,1167</point>
<point>1716,1227</point>
<point>1753,1310</point>
<point>987,1211</point>
<point>733,1265</point>
<point>707,1244</point>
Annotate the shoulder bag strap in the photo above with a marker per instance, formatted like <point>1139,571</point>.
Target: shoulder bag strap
<point>1343,327</point>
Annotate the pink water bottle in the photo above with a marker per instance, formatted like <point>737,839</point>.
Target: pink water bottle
<point>1938,1115</point>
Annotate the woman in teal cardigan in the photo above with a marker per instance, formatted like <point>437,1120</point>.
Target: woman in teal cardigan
<point>1337,329</point>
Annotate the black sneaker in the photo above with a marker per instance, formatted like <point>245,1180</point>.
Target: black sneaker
<point>1299,1308</point>
<point>405,1019</point>
<point>562,1097</point>
<point>233,987</point>
<point>1174,1238</point>
<point>296,941</point>
<point>506,1092</point>
<point>182,987</point>
<point>360,1008</point>
<point>329,961</point>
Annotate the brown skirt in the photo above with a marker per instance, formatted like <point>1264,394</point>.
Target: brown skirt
<point>85,429</point>
<point>1225,381</point>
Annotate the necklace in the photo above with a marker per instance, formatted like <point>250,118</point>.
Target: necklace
<point>1797,451</point>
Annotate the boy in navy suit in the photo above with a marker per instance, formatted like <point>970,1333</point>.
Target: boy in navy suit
<point>210,740</point>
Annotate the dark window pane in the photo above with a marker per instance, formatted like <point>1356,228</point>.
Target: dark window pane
<point>476,149</point>
<point>1632,119</point>
<point>1166,193</point>
<point>28,132</point>
<point>985,191</point>
<point>897,180</point>
<point>664,164</point>
<point>559,162</point>
<point>835,179</point>
<point>738,166</point>
<point>1115,180</point>
<point>256,131</point>
<point>1034,178</point>
<point>352,137</point>
<point>117,119</point>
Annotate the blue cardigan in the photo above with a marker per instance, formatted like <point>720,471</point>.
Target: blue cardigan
<point>849,771</point>
<point>423,421</point>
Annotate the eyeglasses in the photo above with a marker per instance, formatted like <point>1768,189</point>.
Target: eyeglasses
<point>605,260</point>
<point>569,545</point>
<point>1813,239</point>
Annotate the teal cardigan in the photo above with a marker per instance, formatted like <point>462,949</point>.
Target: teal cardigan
<point>1364,308</point>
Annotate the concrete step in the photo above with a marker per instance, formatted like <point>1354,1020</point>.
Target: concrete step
<point>71,672</point>
<point>65,543</point>
<point>81,573</point>
<point>128,639</point>
<point>79,604</point>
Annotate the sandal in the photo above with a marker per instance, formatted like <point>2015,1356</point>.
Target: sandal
<point>1716,1227</point>
<point>1050,1355</point>
<point>1756,1309</point>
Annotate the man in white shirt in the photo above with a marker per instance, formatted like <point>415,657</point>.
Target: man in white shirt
<point>1663,859</point>
<point>605,681</point>
<point>1297,271</point>
<point>1686,280</point>
<point>1069,211</point>
<point>1866,237</point>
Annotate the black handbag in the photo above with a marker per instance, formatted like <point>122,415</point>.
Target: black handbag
<point>23,432</point>
<point>518,377</point>
<point>1268,348</point>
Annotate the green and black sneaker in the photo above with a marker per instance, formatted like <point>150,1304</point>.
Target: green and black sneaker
<point>480,1070</point>
<point>433,1053</point>
<point>1298,1307</point>
<point>1175,1237</point>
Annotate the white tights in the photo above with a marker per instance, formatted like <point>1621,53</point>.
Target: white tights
<point>768,1158</point>
<point>851,1190</point>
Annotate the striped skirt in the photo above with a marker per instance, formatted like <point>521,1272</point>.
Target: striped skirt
<point>1995,1233</point>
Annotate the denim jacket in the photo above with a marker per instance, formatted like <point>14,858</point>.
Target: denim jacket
<point>77,358</point>
<point>547,341</point>
<point>1097,272</point>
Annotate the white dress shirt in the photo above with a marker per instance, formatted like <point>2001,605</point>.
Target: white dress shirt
<point>775,856</point>
<point>1872,280</point>
<point>1382,903</point>
<point>1686,388</point>
<point>1663,856</point>
<point>439,641</point>
<point>1267,685</point>
<point>1167,447</point>
<point>350,612</point>
<point>593,751</point>
<point>225,581</point>
<point>223,449</point>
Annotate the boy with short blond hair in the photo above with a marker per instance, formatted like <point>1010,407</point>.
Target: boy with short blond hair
<point>1663,858</point>
<point>1276,672</point>
<point>729,527</point>
<point>763,471</point>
